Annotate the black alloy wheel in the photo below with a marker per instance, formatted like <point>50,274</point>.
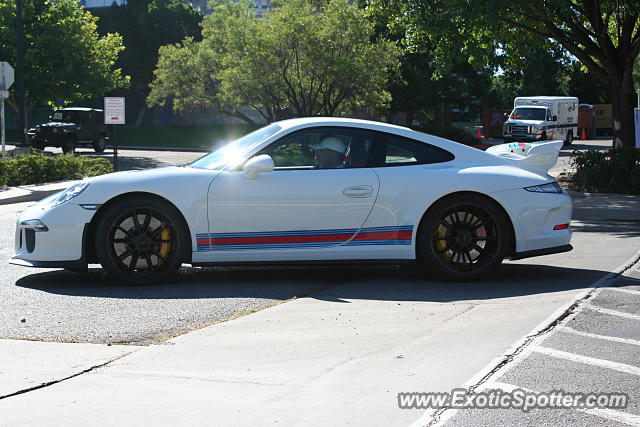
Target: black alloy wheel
<point>140,242</point>
<point>463,238</point>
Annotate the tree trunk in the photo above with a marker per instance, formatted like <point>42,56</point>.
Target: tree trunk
<point>622,102</point>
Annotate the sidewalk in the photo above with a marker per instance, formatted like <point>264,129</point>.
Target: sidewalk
<point>31,193</point>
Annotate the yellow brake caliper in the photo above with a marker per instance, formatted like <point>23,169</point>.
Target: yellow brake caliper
<point>441,244</point>
<point>165,247</point>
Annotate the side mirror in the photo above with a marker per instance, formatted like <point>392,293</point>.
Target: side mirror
<point>554,118</point>
<point>506,116</point>
<point>257,165</point>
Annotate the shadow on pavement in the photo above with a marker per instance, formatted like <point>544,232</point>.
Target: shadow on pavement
<point>401,283</point>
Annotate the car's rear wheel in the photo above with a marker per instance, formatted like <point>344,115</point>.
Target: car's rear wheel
<point>99,144</point>
<point>140,241</point>
<point>37,144</point>
<point>569,139</point>
<point>69,145</point>
<point>463,237</point>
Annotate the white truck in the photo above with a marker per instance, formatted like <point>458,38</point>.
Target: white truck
<point>541,118</point>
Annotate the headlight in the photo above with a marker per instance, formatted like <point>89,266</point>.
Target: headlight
<point>66,195</point>
<point>552,187</point>
<point>536,129</point>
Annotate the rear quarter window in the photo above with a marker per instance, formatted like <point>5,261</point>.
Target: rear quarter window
<point>395,150</point>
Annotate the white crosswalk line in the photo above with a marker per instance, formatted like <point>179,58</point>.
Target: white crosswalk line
<point>601,337</point>
<point>612,312</point>
<point>620,367</point>
<point>609,414</point>
<point>628,291</point>
<point>613,415</point>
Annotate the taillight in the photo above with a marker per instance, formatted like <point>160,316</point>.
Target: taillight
<point>561,227</point>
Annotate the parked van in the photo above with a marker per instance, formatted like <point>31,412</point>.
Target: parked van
<point>541,118</point>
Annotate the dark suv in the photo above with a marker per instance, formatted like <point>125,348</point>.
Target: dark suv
<point>69,127</point>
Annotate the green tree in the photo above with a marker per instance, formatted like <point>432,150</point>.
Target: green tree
<point>145,26</point>
<point>604,35</point>
<point>65,58</point>
<point>303,58</point>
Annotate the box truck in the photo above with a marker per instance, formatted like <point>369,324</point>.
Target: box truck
<point>540,118</point>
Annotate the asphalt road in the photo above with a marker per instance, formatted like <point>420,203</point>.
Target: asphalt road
<point>596,349</point>
<point>57,305</point>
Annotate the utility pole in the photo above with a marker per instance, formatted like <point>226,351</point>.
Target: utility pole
<point>20,73</point>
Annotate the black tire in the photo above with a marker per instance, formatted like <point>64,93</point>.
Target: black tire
<point>462,238</point>
<point>37,144</point>
<point>569,138</point>
<point>99,144</point>
<point>69,145</point>
<point>543,137</point>
<point>141,241</point>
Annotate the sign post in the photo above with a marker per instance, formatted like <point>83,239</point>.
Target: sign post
<point>6,80</point>
<point>114,114</point>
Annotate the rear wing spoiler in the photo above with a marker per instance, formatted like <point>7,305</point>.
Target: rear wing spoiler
<point>537,157</point>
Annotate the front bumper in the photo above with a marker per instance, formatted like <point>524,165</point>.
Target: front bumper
<point>524,137</point>
<point>62,245</point>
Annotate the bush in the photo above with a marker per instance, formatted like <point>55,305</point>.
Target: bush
<point>613,171</point>
<point>450,132</point>
<point>36,169</point>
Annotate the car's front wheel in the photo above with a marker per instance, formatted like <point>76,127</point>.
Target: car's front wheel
<point>69,145</point>
<point>463,237</point>
<point>569,138</point>
<point>99,144</point>
<point>141,241</point>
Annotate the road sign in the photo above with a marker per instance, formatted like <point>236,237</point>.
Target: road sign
<point>114,111</point>
<point>6,80</point>
<point>6,77</point>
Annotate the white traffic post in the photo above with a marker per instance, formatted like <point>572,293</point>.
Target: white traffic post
<point>6,80</point>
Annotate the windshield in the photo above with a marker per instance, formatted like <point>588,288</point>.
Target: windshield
<point>235,151</point>
<point>529,113</point>
<point>66,117</point>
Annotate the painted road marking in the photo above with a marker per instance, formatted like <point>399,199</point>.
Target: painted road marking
<point>611,312</point>
<point>616,366</point>
<point>628,291</point>
<point>601,337</point>
<point>609,414</point>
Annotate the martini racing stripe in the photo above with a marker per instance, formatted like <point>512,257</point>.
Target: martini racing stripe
<point>400,235</point>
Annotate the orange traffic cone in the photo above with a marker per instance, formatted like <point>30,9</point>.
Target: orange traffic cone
<point>479,134</point>
<point>584,134</point>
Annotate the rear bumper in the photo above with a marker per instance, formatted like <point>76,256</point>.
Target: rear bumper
<point>540,252</point>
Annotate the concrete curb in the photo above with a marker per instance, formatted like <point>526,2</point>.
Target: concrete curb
<point>31,193</point>
<point>519,349</point>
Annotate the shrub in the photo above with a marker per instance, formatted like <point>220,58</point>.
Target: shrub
<point>613,171</point>
<point>36,168</point>
<point>450,132</point>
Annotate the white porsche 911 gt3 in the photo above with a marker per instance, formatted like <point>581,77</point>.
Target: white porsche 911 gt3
<point>310,190</point>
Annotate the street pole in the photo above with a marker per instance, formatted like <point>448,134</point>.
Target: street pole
<point>4,156</point>
<point>115,148</point>
<point>20,72</point>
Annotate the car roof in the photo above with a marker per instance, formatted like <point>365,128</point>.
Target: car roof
<point>336,121</point>
<point>79,109</point>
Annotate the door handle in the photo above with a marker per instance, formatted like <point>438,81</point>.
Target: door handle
<point>359,191</point>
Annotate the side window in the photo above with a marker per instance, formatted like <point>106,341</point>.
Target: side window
<point>322,148</point>
<point>394,150</point>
